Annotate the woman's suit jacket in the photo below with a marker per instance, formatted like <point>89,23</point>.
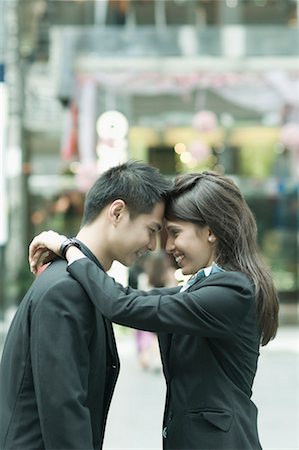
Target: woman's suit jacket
<point>209,343</point>
<point>58,369</point>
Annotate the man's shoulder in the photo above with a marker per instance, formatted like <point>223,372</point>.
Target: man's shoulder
<point>56,287</point>
<point>55,274</point>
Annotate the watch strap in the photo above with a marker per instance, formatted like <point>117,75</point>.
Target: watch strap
<point>67,244</point>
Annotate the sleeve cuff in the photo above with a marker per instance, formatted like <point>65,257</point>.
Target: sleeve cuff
<point>71,261</point>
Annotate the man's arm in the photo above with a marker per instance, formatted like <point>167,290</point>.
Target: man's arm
<point>60,329</point>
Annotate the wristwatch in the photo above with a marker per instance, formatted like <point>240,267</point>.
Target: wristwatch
<point>67,244</point>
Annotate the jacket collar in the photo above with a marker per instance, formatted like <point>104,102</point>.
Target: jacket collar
<point>87,252</point>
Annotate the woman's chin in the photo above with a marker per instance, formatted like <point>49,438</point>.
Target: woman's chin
<point>186,271</point>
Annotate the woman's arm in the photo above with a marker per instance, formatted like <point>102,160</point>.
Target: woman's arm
<point>45,246</point>
<point>215,309</point>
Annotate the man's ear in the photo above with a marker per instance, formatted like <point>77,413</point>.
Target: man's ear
<point>116,210</point>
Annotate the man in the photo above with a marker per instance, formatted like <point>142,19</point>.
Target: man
<point>60,363</point>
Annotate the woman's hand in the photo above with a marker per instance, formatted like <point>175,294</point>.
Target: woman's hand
<point>44,248</point>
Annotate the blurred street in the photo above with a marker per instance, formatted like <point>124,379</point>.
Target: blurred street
<point>136,412</point>
<point>185,86</point>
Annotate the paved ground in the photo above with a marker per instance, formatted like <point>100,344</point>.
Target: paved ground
<point>135,416</point>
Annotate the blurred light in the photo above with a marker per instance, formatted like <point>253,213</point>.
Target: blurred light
<point>186,157</point>
<point>220,148</point>
<point>112,128</point>
<point>14,162</point>
<point>204,121</point>
<point>213,159</point>
<point>75,167</point>
<point>227,120</point>
<point>112,124</point>
<point>180,148</point>
<point>219,168</point>
<point>192,164</point>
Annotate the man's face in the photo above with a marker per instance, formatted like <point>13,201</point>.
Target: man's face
<point>136,236</point>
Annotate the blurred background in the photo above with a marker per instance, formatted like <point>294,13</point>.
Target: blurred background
<point>184,85</point>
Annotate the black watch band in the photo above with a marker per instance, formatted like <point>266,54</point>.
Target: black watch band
<point>67,244</point>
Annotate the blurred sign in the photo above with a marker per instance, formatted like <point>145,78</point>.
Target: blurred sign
<point>42,108</point>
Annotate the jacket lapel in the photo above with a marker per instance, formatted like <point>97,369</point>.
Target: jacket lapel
<point>165,346</point>
<point>112,355</point>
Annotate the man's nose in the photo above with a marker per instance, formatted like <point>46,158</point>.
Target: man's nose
<point>153,243</point>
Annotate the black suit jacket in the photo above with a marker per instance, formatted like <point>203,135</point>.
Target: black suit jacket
<point>209,343</point>
<point>58,369</point>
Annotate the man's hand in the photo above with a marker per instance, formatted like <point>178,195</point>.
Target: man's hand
<point>44,248</point>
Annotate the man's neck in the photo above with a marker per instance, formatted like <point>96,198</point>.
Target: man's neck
<point>96,245</point>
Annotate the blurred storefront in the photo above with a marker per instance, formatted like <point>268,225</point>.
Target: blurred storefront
<point>201,84</point>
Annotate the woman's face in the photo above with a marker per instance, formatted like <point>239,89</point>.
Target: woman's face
<point>191,246</point>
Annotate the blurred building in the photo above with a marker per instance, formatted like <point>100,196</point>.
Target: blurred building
<point>186,85</point>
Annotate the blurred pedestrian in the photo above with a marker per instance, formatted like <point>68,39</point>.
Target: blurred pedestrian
<point>158,272</point>
<point>60,363</point>
<point>211,331</point>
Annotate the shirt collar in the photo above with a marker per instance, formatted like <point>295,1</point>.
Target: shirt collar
<point>202,273</point>
<point>208,270</point>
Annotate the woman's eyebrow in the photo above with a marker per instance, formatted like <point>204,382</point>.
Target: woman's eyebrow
<point>172,228</point>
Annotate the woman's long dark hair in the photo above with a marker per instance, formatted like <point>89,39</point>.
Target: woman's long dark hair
<point>214,200</point>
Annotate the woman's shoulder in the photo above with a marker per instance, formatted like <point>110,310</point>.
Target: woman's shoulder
<point>235,279</point>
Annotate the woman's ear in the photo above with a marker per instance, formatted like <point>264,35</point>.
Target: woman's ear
<point>116,211</point>
<point>211,237</point>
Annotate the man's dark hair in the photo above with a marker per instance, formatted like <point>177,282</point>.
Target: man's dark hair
<point>139,185</point>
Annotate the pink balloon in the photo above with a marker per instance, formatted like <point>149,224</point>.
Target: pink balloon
<point>199,150</point>
<point>204,121</point>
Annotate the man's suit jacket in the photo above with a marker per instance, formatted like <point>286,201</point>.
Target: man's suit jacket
<point>209,342</point>
<point>58,370</point>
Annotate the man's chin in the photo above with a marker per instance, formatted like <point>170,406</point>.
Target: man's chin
<point>129,261</point>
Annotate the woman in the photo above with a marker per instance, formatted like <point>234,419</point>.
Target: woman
<point>210,331</point>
